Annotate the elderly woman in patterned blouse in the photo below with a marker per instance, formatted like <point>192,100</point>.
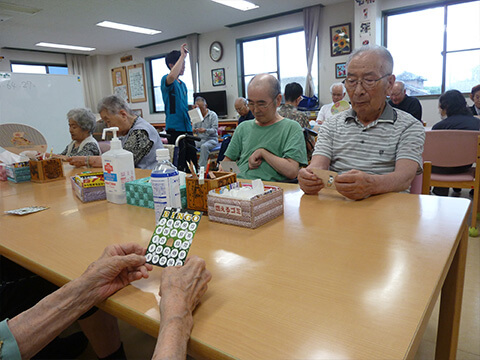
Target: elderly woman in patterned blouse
<point>81,124</point>
<point>137,135</point>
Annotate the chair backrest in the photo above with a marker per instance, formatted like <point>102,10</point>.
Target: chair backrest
<point>104,146</point>
<point>451,148</point>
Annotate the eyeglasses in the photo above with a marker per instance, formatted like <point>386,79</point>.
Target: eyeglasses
<point>367,84</point>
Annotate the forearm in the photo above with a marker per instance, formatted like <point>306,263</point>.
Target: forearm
<point>173,336</point>
<point>95,161</point>
<point>175,71</point>
<point>319,162</point>
<point>36,327</point>
<point>286,167</point>
<point>396,181</point>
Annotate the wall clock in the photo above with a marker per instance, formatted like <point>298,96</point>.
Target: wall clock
<point>216,51</point>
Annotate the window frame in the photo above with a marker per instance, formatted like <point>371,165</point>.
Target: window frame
<point>414,8</point>
<point>46,65</point>
<point>240,63</point>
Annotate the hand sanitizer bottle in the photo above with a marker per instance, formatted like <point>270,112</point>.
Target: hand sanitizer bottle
<point>165,181</point>
<point>118,169</point>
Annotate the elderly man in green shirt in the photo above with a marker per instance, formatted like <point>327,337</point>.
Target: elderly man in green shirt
<point>270,147</point>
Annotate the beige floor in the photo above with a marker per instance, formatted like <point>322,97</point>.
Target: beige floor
<point>140,346</point>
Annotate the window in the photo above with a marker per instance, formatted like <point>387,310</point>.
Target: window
<point>40,69</point>
<point>158,69</point>
<point>435,48</point>
<point>282,55</point>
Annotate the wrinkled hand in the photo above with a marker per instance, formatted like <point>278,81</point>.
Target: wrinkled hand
<point>354,184</point>
<point>182,287</point>
<point>309,182</point>
<point>77,161</point>
<point>201,130</point>
<point>255,160</point>
<point>118,266</point>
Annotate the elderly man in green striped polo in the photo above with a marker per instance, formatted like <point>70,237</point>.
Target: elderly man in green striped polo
<point>375,148</point>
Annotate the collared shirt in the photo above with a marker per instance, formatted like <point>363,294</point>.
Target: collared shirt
<point>373,148</point>
<point>292,113</point>
<point>210,124</point>
<point>8,345</point>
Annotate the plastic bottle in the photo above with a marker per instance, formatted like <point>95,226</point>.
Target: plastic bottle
<point>118,169</point>
<point>165,181</point>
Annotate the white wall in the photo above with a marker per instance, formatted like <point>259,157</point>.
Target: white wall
<point>29,56</point>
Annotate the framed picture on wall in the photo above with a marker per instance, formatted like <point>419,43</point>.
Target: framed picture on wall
<point>119,82</point>
<point>138,112</point>
<point>218,77</point>
<point>340,39</point>
<point>340,71</point>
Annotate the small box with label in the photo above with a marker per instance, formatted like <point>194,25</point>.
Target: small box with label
<point>89,186</point>
<point>197,193</point>
<point>46,170</point>
<point>263,206</point>
<point>18,172</point>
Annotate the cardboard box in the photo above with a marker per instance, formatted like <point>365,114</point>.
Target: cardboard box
<point>247,213</point>
<point>46,170</point>
<point>197,194</point>
<point>89,186</point>
<point>139,193</point>
<point>18,172</point>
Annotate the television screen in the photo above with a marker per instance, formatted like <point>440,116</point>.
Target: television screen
<point>216,101</point>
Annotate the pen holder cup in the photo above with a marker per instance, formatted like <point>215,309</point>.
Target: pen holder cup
<point>46,170</point>
<point>197,194</point>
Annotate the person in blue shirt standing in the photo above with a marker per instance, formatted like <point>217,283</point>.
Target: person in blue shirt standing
<point>174,93</point>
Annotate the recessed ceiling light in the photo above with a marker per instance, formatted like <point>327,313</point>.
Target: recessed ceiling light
<point>18,8</point>
<point>238,4</point>
<point>137,29</point>
<point>61,46</point>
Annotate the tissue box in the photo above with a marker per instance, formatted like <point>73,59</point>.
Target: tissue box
<point>46,170</point>
<point>89,186</point>
<point>250,213</point>
<point>197,194</point>
<point>139,193</point>
<point>18,172</point>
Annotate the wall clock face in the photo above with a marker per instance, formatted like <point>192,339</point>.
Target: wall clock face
<point>216,51</point>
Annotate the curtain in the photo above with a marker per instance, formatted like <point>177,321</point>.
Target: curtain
<point>311,24</point>
<point>192,45</point>
<point>83,65</point>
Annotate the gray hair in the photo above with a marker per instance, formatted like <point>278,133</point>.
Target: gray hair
<point>273,84</point>
<point>242,99</point>
<point>338,84</point>
<point>84,118</point>
<point>380,50</point>
<point>113,104</point>
<point>199,98</point>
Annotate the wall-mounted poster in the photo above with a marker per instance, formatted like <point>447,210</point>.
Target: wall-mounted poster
<point>119,82</point>
<point>340,39</point>
<point>218,77</point>
<point>136,83</point>
<point>340,71</point>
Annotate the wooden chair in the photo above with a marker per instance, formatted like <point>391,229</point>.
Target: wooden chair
<point>451,148</point>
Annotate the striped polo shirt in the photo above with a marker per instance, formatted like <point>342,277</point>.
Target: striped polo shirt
<point>373,148</point>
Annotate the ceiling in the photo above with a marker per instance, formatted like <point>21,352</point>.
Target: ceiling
<point>73,22</point>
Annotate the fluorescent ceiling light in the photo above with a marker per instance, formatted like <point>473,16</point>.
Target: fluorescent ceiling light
<point>238,4</point>
<point>69,47</point>
<point>18,8</point>
<point>118,26</point>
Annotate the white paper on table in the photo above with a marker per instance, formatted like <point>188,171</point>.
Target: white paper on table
<point>195,115</point>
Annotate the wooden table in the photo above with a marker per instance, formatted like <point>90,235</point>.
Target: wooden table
<point>331,279</point>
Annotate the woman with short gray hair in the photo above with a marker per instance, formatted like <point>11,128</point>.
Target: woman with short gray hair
<point>81,124</point>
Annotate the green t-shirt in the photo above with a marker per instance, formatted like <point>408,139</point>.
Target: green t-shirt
<point>284,139</point>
